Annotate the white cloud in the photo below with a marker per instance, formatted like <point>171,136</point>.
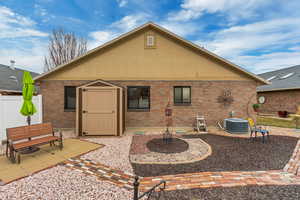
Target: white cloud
<point>253,45</point>
<point>234,9</point>
<point>39,10</point>
<point>122,3</point>
<point>297,48</point>
<point>14,25</point>
<point>236,40</point>
<point>12,32</point>
<point>268,62</point>
<point>184,15</point>
<point>130,21</point>
<point>9,17</point>
<point>181,29</point>
<point>21,41</point>
<point>123,25</point>
<point>100,37</point>
<point>29,56</point>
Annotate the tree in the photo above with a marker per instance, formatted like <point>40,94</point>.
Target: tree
<point>63,47</point>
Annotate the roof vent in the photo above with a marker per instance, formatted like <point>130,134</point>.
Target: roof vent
<point>12,64</point>
<point>287,75</point>
<point>13,78</point>
<point>271,78</point>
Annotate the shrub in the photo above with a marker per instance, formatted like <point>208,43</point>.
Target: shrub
<point>256,106</point>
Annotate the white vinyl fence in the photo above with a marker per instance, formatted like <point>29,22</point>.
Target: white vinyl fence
<point>10,115</point>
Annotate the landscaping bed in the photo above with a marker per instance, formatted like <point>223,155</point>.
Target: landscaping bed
<point>287,192</point>
<point>276,121</point>
<point>230,154</point>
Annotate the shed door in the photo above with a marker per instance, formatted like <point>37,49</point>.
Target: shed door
<point>99,111</point>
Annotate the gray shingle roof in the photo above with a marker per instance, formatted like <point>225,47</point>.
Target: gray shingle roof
<point>12,79</point>
<point>279,83</point>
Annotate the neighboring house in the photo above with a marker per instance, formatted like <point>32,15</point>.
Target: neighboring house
<point>11,80</point>
<point>139,73</point>
<point>283,94</point>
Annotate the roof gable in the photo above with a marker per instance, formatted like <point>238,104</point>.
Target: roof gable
<point>185,43</point>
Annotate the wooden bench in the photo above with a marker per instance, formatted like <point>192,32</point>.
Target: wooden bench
<point>24,137</point>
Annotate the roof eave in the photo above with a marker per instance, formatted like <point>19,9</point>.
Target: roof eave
<point>5,90</point>
<point>278,89</point>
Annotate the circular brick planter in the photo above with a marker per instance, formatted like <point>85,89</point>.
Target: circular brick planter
<point>184,150</point>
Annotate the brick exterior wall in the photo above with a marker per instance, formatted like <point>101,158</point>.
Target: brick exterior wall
<point>204,100</point>
<point>280,100</point>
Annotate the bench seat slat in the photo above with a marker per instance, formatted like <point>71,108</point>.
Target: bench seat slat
<point>24,132</point>
<point>33,142</point>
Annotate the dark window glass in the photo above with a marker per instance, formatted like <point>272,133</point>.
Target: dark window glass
<point>138,97</point>
<point>70,97</point>
<point>182,94</point>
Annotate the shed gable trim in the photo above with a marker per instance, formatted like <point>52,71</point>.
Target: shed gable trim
<point>99,81</point>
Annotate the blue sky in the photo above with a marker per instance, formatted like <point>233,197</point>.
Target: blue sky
<point>259,35</point>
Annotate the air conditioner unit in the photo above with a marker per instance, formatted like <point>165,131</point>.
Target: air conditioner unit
<point>236,125</point>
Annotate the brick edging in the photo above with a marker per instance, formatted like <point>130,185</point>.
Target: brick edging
<point>293,166</point>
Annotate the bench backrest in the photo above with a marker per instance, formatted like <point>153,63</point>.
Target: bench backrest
<point>24,132</point>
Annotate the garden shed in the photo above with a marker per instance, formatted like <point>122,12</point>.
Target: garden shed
<point>99,109</point>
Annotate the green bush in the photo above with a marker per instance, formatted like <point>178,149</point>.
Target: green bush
<point>256,106</point>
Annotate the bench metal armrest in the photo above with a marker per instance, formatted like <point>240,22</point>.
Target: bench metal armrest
<point>60,134</point>
<point>9,146</point>
<point>9,143</point>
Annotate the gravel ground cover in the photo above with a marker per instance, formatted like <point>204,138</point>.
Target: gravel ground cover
<point>115,153</point>
<point>290,192</point>
<point>230,154</point>
<point>62,183</point>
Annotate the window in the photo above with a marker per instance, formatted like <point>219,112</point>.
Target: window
<point>138,97</point>
<point>70,98</point>
<point>150,41</point>
<point>182,95</point>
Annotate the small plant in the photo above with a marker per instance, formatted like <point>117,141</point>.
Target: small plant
<point>256,106</point>
<point>283,114</point>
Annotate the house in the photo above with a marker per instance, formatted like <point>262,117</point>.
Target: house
<point>128,82</point>
<point>11,79</point>
<point>284,92</point>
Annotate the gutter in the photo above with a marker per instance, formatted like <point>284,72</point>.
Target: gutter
<point>278,89</point>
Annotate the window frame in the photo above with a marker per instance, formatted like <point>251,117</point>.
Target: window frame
<point>153,40</point>
<point>65,99</point>
<point>182,103</point>
<point>137,108</point>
